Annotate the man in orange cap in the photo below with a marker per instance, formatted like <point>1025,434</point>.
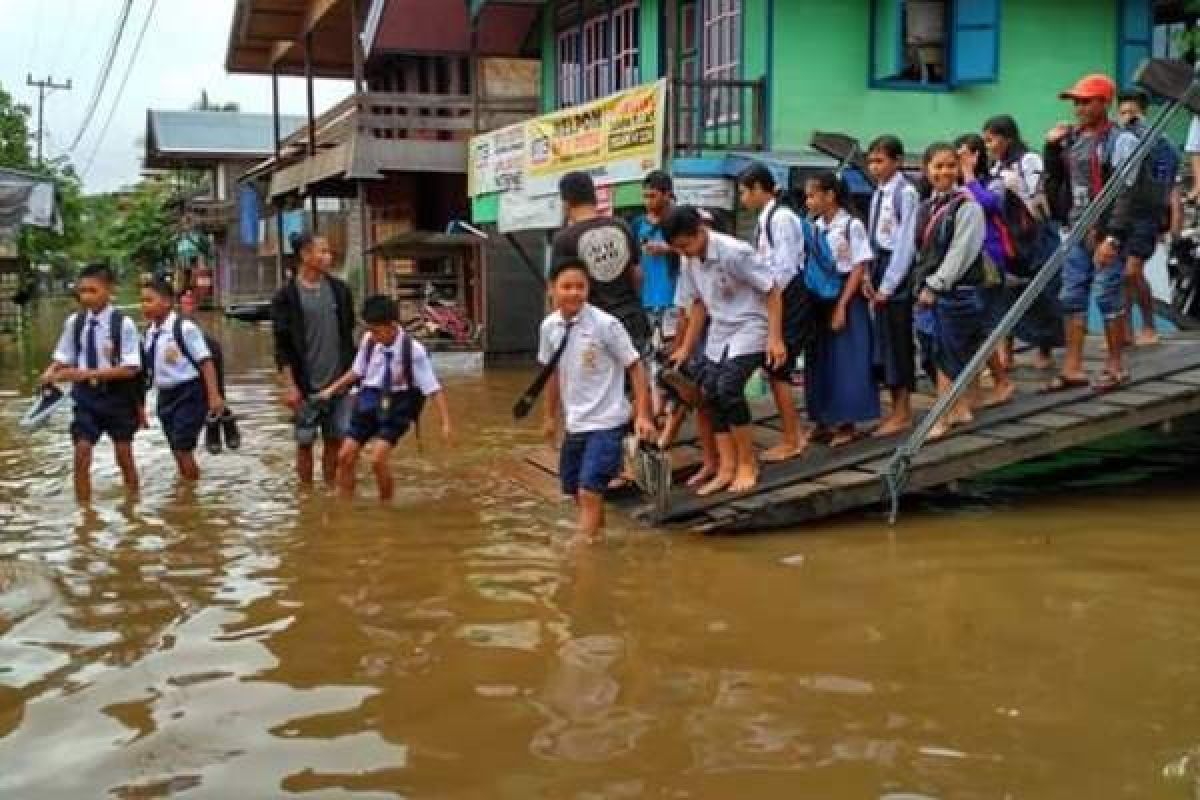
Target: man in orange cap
<point>1079,160</point>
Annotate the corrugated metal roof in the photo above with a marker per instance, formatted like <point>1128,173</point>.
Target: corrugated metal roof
<point>232,133</point>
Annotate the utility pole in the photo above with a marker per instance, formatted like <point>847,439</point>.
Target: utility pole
<point>44,87</point>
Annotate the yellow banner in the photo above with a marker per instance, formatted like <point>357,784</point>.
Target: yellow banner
<point>616,139</point>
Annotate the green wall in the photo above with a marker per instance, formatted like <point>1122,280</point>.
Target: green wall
<point>822,57</point>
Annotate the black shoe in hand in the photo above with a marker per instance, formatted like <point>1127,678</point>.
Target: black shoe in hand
<point>229,430</point>
<point>212,434</point>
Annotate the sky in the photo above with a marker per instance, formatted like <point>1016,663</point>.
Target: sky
<point>182,53</point>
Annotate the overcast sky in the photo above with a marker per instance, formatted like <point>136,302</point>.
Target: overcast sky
<point>182,53</point>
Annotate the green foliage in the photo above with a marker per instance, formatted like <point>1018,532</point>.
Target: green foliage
<point>134,230</point>
<point>14,133</point>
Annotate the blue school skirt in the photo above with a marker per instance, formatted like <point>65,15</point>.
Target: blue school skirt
<point>952,331</point>
<point>839,385</point>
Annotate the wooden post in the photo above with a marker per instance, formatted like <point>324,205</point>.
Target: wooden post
<point>277,206</point>
<point>361,108</point>
<point>671,10</point>
<point>312,121</point>
<point>476,75</point>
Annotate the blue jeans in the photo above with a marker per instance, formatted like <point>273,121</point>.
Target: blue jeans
<point>590,461</point>
<point>1080,272</point>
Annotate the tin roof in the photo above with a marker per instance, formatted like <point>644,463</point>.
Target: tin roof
<point>176,136</point>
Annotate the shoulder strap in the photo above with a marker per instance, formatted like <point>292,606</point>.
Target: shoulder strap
<point>767,224</point>
<point>177,333</point>
<point>406,361</point>
<point>525,402</point>
<point>80,320</point>
<point>935,219</point>
<point>116,333</point>
<point>371,346</point>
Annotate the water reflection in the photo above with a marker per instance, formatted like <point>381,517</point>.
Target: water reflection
<point>237,639</point>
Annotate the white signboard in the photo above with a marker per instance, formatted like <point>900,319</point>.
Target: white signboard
<point>496,161</point>
<point>520,212</point>
<point>706,193</point>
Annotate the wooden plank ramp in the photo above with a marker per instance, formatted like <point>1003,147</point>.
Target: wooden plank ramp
<point>1165,385</point>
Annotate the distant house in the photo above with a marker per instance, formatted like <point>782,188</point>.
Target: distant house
<point>220,147</point>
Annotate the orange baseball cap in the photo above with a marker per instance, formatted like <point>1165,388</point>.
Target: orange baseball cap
<point>1091,87</point>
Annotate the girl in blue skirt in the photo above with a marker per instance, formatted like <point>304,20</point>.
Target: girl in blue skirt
<point>839,381</point>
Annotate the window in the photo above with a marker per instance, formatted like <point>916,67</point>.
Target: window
<point>934,44</point>
<point>721,58</point>
<point>1174,33</point>
<point>598,49</point>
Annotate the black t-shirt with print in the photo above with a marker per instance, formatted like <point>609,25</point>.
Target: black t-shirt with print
<point>607,248</point>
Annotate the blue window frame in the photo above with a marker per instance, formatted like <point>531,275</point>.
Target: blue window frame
<point>933,45</point>
<point>597,49</point>
<point>1135,37</point>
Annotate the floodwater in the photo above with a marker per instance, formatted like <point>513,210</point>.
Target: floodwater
<point>246,640</point>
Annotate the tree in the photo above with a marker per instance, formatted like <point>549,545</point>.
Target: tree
<point>14,133</point>
<point>204,104</point>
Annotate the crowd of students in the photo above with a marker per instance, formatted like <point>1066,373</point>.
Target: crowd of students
<point>866,299</point>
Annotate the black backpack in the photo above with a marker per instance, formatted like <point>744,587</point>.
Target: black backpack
<point>411,395</point>
<point>214,349</point>
<point>133,388</point>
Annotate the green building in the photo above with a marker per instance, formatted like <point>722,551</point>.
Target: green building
<point>754,79</point>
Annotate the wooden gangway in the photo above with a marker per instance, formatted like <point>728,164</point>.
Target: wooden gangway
<point>1165,385</point>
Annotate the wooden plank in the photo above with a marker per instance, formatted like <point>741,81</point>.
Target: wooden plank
<point>955,446</point>
<point>1095,409</point>
<point>1191,377</point>
<point>1053,420</point>
<point>1132,398</point>
<point>797,491</point>
<point>1168,388</point>
<point>1013,432</point>
<point>848,478</point>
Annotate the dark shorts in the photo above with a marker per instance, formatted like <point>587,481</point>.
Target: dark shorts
<point>181,412</point>
<point>590,461</point>
<point>371,421</point>
<point>1142,239</point>
<point>724,385</point>
<point>800,320</point>
<point>101,411</point>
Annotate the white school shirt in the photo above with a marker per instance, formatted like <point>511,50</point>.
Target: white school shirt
<point>847,240</point>
<point>1192,147</point>
<point>1024,177</point>
<point>74,354</point>
<point>170,366</point>
<point>783,250</point>
<point>591,372</point>
<point>733,284</point>
<point>894,225</point>
<point>370,375</point>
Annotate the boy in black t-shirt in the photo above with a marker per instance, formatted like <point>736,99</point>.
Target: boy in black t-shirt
<point>606,246</point>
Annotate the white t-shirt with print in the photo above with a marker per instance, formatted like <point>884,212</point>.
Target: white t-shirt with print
<point>591,372</point>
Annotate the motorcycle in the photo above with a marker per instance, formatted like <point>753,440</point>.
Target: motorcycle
<point>1183,268</point>
<point>438,318</point>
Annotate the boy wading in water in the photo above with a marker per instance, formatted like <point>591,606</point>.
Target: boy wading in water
<point>594,353</point>
<point>395,377</point>
<point>729,287</point>
<point>313,320</point>
<point>180,366</point>
<point>98,352</point>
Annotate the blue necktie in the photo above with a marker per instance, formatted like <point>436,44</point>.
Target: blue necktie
<point>152,353</point>
<point>386,398</point>
<point>91,356</point>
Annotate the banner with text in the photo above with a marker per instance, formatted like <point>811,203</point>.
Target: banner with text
<point>615,139</point>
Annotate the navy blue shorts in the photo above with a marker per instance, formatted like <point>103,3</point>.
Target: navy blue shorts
<point>590,461</point>
<point>181,412</point>
<point>101,411</point>
<point>371,421</point>
<point>1142,239</point>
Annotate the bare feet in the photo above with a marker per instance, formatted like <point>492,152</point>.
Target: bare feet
<point>891,426</point>
<point>844,436</point>
<point>718,484</point>
<point>745,480</point>
<point>785,451</point>
<point>940,430</point>
<point>1043,360</point>
<point>702,477</point>
<point>1001,393</point>
<point>960,416</point>
<point>1146,337</point>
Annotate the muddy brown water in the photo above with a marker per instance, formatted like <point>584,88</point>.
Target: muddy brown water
<point>245,640</point>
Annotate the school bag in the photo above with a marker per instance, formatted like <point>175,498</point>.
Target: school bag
<point>134,389</point>
<point>821,276</point>
<point>214,349</point>
<point>1027,240</point>
<point>1161,165</point>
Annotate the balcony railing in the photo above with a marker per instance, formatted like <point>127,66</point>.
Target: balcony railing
<point>718,116</point>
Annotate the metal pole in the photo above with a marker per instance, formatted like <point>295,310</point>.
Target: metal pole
<point>278,206</point>
<point>896,475</point>
<point>312,121</point>
<point>44,87</point>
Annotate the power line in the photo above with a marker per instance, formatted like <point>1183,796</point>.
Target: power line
<point>105,71</point>
<point>112,112</point>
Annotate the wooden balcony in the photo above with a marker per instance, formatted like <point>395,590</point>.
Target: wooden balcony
<point>209,215</point>
<point>371,133</point>
<point>718,116</point>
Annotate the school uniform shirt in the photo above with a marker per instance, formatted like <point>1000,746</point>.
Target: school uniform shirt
<point>591,371</point>
<point>733,284</point>
<point>371,373</point>
<point>74,353</point>
<point>1023,176</point>
<point>847,241</point>
<point>893,226</point>
<point>783,250</point>
<point>168,366</point>
<point>1192,147</point>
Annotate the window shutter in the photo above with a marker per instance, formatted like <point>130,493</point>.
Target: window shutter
<point>1136,32</point>
<point>975,41</point>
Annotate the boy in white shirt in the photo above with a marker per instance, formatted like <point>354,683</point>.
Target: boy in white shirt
<point>395,377</point>
<point>591,354</point>
<point>98,352</point>
<point>180,367</point>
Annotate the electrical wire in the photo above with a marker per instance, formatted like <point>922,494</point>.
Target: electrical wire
<point>112,112</point>
<point>105,71</point>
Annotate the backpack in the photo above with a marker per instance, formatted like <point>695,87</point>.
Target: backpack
<point>1162,165</point>
<point>134,388</point>
<point>411,394</point>
<point>821,276</point>
<point>1027,240</point>
<point>214,349</point>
